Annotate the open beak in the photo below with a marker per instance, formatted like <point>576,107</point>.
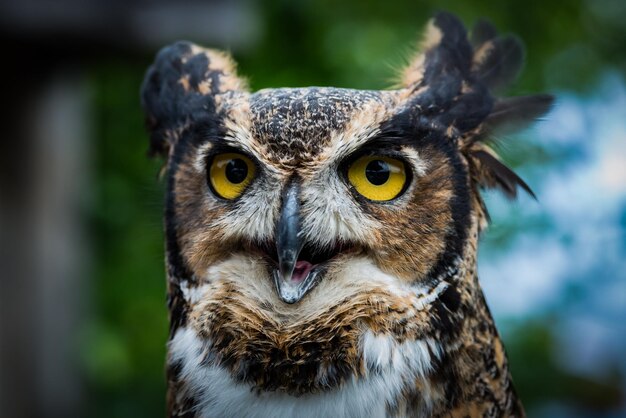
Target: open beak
<point>294,278</point>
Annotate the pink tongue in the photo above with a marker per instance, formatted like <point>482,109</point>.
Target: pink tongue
<point>302,269</point>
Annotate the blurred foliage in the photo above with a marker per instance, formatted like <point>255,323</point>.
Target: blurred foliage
<point>539,379</point>
<point>123,345</point>
<point>357,44</point>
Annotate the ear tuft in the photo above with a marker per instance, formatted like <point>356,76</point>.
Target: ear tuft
<point>451,85</point>
<point>180,88</point>
<point>482,32</point>
<point>454,77</point>
<point>498,61</point>
<point>491,172</point>
<point>515,113</point>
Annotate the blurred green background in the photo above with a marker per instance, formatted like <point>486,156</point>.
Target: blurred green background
<point>554,271</point>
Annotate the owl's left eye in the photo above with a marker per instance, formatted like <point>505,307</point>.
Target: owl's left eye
<point>378,178</point>
<point>230,173</point>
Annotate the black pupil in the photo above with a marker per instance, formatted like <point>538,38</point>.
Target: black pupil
<point>377,172</point>
<point>236,170</point>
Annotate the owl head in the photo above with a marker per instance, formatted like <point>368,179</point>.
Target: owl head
<point>300,219</point>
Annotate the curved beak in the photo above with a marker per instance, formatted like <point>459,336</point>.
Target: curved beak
<point>294,278</point>
<point>288,240</point>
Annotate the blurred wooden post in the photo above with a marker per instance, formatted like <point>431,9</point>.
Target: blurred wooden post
<point>42,252</point>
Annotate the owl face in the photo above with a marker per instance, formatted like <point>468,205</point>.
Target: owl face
<point>304,181</point>
<point>303,204</point>
<point>307,226</point>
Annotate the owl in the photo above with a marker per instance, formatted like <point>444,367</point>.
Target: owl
<point>321,242</point>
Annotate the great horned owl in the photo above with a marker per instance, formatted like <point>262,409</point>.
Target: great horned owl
<point>321,242</point>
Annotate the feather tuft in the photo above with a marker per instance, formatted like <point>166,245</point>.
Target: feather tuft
<point>500,175</point>
<point>482,32</point>
<point>516,113</point>
<point>497,62</point>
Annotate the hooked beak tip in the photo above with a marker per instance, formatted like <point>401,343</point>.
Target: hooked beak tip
<point>286,292</point>
<point>290,292</point>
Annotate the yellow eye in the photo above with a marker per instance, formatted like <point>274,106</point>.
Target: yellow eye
<point>230,173</point>
<point>378,178</point>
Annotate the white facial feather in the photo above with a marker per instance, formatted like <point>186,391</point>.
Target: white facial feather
<point>350,276</point>
<point>329,215</point>
<point>254,216</point>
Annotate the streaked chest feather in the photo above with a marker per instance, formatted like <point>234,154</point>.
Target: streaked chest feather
<point>391,369</point>
<point>357,354</point>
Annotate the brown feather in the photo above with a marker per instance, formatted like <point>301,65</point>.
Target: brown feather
<point>503,176</point>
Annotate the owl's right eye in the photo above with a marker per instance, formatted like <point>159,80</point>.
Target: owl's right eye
<point>378,178</point>
<point>229,174</point>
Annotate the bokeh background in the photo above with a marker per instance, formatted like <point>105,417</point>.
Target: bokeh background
<point>82,313</point>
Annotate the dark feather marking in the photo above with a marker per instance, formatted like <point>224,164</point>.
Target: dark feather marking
<point>167,102</point>
<point>446,319</point>
<point>180,404</point>
<point>454,44</point>
<point>483,31</point>
<point>445,373</point>
<point>460,208</point>
<point>504,177</point>
<point>448,62</point>
<point>451,298</point>
<point>502,64</point>
<point>516,112</point>
<point>469,111</point>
